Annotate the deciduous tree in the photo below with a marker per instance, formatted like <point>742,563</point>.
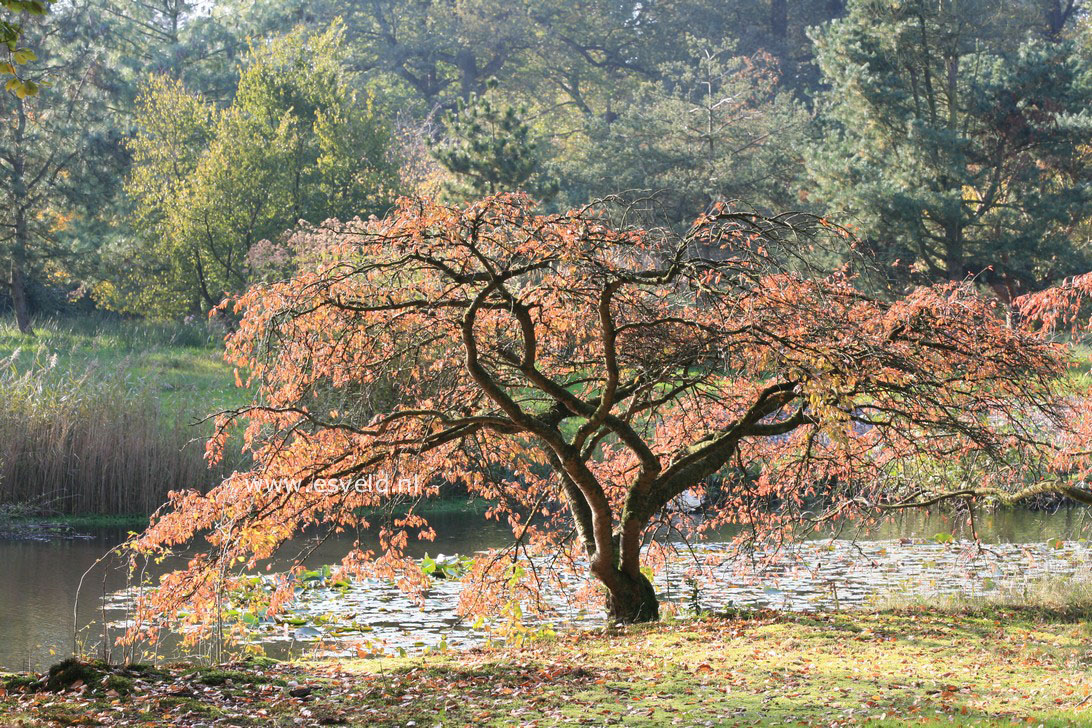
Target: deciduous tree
<point>11,33</point>
<point>581,376</point>
<point>297,143</point>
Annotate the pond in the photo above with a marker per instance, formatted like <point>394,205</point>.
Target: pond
<point>40,579</point>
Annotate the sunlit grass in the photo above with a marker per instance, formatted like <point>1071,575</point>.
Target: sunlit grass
<point>1068,596</point>
<point>182,363</point>
<point>102,415</point>
<point>764,669</point>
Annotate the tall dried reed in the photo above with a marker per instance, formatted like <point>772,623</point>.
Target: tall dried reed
<point>92,440</point>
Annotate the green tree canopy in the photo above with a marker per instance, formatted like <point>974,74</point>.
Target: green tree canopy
<point>188,40</point>
<point>297,143</point>
<point>956,152</point>
<point>715,127</point>
<point>490,149</point>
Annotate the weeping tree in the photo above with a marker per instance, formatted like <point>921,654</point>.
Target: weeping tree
<point>582,375</point>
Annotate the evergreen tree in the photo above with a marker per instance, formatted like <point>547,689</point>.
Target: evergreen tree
<point>957,153</point>
<point>716,127</point>
<point>489,149</point>
<point>51,147</point>
<point>184,39</point>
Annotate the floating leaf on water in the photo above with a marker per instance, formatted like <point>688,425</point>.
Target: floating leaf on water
<point>307,633</point>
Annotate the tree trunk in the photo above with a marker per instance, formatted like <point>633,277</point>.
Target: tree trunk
<point>954,264</point>
<point>19,300</point>
<point>1058,13</point>
<point>21,243</point>
<point>779,22</point>
<point>17,281</point>
<point>779,33</point>
<point>468,73</point>
<point>630,600</point>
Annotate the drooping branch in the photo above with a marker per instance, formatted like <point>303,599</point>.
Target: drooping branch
<point>582,376</point>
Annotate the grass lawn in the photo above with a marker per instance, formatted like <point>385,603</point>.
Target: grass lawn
<point>885,669</point>
<point>182,364</point>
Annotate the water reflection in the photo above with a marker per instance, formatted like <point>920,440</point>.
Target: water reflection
<point>39,581</point>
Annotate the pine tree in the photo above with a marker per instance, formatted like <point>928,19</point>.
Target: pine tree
<point>489,149</point>
<point>715,127</point>
<point>957,153</point>
<point>52,145</point>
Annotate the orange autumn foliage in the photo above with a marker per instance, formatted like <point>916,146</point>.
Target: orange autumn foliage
<point>582,375</point>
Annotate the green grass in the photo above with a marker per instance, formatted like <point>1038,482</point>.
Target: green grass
<point>902,668</point>
<point>100,414</point>
<point>182,363</point>
<point>105,418</point>
<point>1055,597</point>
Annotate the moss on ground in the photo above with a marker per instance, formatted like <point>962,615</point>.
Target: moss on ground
<point>912,667</point>
<point>216,676</point>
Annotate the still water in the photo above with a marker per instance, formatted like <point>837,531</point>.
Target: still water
<point>38,582</point>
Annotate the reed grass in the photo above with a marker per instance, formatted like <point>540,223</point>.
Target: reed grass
<point>97,417</point>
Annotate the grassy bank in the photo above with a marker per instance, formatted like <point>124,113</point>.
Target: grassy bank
<point>99,414</point>
<point>990,668</point>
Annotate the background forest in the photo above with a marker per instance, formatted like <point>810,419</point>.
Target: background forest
<point>173,146</point>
